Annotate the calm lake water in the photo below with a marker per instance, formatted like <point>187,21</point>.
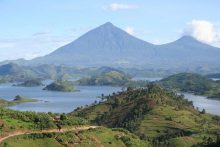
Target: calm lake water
<point>55,101</point>
<point>211,106</point>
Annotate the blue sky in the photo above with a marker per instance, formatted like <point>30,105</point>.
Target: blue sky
<point>30,28</point>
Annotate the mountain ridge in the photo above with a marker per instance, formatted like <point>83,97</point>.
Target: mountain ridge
<point>108,45</point>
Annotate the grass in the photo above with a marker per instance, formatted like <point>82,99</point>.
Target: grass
<point>21,142</point>
<point>92,137</point>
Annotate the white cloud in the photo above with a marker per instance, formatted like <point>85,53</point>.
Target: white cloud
<point>119,6</point>
<point>204,31</point>
<point>130,30</point>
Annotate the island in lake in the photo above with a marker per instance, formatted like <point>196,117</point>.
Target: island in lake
<point>17,100</point>
<point>64,86</point>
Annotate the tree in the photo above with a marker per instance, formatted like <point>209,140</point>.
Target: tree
<point>63,117</point>
<point>203,111</point>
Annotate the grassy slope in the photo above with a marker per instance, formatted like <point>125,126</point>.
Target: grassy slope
<point>170,116</point>
<point>20,142</point>
<point>93,137</point>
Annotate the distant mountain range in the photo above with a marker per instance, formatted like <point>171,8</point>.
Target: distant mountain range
<point>108,45</point>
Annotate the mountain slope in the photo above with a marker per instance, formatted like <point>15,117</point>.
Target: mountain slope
<point>104,45</point>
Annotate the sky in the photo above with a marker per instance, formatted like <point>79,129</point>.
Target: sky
<point>31,28</point>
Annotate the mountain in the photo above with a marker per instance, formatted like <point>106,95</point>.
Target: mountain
<point>108,45</point>
<point>105,45</point>
<point>187,51</point>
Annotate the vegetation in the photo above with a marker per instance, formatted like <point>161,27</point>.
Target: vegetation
<point>113,78</point>
<point>92,137</point>
<point>14,121</point>
<point>154,114</point>
<point>30,83</point>
<point>193,83</point>
<point>64,86</point>
<point>17,100</point>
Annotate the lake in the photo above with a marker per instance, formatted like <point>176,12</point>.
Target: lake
<point>67,101</point>
<point>210,105</point>
<point>55,101</point>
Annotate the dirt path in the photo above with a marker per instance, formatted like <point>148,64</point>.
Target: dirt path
<point>47,131</point>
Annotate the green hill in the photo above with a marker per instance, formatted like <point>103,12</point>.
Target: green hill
<point>64,86</point>
<point>193,83</point>
<point>113,78</point>
<point>154,114</point>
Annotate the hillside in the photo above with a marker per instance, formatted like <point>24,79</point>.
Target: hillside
<point>113,78</point>
<point>12,72</point>
<point>193,83</point>
<point>92,137</point>
<point>50,129</point>
<point>30,83</point>
<point>154,114</point>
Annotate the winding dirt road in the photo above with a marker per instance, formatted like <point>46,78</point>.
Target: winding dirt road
<point>48,131</point>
